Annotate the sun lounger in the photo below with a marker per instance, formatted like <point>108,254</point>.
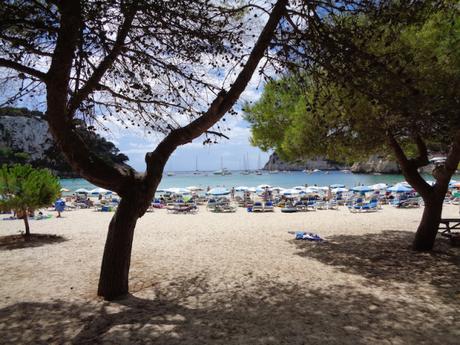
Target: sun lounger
<point>268,207</point>
<point>289,210</point>
<point>257,207</point>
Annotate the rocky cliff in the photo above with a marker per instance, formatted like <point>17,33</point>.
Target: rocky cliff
<point>375,164</point>
<point>276,163</point>
<point>24,138</point>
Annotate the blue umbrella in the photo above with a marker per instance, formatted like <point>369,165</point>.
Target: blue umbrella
<point>218,191</point>
<point>362,189</point>
<point>399,188</point>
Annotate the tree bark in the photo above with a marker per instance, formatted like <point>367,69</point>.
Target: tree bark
<point>26,223</point>
<point>429,225</point>
<point>113,281</point>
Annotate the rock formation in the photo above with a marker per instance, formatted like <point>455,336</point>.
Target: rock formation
<point>24,138</point>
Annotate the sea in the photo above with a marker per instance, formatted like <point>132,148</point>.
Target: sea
<point>286,179</point>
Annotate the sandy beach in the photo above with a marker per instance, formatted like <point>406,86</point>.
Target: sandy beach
<point>234,279</point>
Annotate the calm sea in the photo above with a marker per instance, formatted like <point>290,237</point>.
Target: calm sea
<point>283,179</point>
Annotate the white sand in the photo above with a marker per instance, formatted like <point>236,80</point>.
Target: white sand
<point>235,279</point>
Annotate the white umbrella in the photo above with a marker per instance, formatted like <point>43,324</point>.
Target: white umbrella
<point>82,190</point>
<point>378,186</point>
<point>241,189</point>
<point>339,190</point>
<point>252,189</point>
<point>399,188</point>
<point>299,188</point>
<point>218,191</point>
<point>194,188</point>
<point>278,188</point>
<point>98,191</point>
<point>64,190</point>
<point>289,192</point>
<point>179,191</point>
<point>264,186</point>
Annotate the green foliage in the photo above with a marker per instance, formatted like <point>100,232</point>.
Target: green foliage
<point>399,78</point>
<point>24,189</point>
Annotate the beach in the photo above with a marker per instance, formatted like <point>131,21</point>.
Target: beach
<point>236,278</point>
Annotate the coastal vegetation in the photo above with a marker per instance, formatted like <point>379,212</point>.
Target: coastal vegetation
<point>24,189</point>
<point>387,81</point>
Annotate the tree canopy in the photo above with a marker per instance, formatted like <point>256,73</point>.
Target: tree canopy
<point>403,79</point>
<point>386,80</point>
<point>25,189</point>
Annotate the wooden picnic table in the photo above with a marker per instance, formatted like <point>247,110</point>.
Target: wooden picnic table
<point>450,225</point>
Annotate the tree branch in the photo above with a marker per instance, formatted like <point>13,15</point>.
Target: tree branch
<point>23,69</point>
<point>105,64</point>
<point>222,103</point>
<point>422,159</point>
<point>409,169</point>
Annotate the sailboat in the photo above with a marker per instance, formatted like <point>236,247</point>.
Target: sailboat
<point>258,172</point>
<point>196,172</point>
<point>245,170</point>
<point>223,171</point>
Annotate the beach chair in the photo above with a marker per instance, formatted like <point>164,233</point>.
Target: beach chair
<point>268,207</point>
<point>257,207</point>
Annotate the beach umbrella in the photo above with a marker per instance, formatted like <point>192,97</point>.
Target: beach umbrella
<point>194,188</point>
<point>361,189</point>
<point>431,183</point>
<point>289,192</point>
<point>337,185</point>
<point>453,183</point>
<point>241,188</point>
<point>399,188</point>
<point>218,191</point>
<point>277,188</point>
<point>82,190</point>
<point>98,191</point>
<point>299,187</point>
<point>378,186</point>
<point>252,189</point>
<point>339,190</point>
<point>178,191</point>
<point>161,190</point>
<point>263,186</point>
<point>65,190</point>
<point>323,188</point>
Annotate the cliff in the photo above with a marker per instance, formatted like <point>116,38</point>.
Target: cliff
<point>375,164</point>
<point>276,163</point>
<point>24,138</point>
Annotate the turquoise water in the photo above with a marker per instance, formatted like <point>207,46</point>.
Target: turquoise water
<point>285,179</point>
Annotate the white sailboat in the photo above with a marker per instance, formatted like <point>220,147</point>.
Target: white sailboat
<point>258,172</point>
<point>245,170</point>
<point>196,172</point>
<point>223,171</point>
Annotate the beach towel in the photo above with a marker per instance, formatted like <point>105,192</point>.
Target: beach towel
<point>308,236</point>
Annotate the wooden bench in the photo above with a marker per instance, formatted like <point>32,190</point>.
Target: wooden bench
<point>450,229</point>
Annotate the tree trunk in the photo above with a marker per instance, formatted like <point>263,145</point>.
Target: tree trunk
<point>113,281</point>
<point>429,225</point>
<point>26,223</point>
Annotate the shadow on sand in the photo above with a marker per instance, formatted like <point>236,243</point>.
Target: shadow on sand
<point>12,242</point>
<point>387,256</point>
<point>268,312</point>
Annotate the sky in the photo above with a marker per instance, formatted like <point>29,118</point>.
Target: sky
<point>209,157</point>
